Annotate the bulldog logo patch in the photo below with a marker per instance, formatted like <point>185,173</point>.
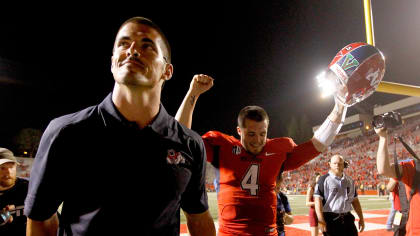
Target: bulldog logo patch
<point>174,157</point>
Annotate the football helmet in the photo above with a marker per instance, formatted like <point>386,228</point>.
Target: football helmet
<point>358,69</point>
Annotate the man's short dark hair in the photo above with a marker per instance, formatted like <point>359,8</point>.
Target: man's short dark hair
<point>145,21</point>
<point>254,113</point>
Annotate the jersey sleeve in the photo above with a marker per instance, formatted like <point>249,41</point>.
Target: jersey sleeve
<point>45,185</point>
<point>299,155</point>
<point>408,170</point>
<point>213,140</point>
<point>194,199</point>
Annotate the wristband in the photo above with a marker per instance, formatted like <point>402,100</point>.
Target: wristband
<point>326,133</point>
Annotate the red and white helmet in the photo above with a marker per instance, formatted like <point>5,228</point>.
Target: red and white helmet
<point>359,67</point>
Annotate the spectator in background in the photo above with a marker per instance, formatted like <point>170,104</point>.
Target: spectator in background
<point>13,191</point>
<point>313,219</point>
<point>381,189</point>
<point>284,212</point>
<point>362,188</point>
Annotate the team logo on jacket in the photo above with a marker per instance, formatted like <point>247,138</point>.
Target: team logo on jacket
<point>236,150</point>
<point>174,157</point>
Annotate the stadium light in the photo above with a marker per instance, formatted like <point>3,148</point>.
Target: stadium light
<point>326,84</point>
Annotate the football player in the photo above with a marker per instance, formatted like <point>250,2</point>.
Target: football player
<point>249,166</point>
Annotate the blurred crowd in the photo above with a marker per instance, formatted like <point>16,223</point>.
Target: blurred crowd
<point>360,152</point>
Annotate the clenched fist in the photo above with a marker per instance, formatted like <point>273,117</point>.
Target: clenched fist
<point>200,84</point>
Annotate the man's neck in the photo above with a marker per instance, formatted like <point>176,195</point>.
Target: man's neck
<point>337,174</point>
<point>139,105</point>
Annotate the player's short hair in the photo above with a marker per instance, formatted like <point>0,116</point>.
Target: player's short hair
<point>254,113</point>
<point>145,21</point>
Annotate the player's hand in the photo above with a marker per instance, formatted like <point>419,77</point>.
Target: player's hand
<point>361,225</point>
<point>200,84</point>
<point>338,114</point>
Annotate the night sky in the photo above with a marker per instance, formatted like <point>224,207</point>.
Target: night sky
<point>56,60</point>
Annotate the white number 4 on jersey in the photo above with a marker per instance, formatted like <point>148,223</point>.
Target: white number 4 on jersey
<point>250,180</point>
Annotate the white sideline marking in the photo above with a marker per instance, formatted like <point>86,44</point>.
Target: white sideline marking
<point>368,226</point>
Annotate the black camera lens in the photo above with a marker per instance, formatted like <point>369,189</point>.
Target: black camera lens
<point>378,121</point>
<point>388,120</point>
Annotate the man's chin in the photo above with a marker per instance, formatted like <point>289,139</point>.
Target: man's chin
<point>7,183</point>
<point>255,151</point>
<point>133,80</point>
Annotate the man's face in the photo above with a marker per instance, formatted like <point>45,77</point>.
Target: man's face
<point>7,174</point>
<point>253,135</point>
<point>337,165</point>
<point>138,57</point>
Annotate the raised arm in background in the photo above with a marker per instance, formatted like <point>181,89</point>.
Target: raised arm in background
<point>382,157</point>
<point>199,84</point>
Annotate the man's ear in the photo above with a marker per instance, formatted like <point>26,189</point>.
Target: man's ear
<point>169,70</point>
<point>112,64</point>
<point>238,130</point>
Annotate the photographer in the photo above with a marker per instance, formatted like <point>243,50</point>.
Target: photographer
<point>406,172</point>
<point>13,191</point>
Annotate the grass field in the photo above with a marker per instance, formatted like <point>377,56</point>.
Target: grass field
<point>297,203</point>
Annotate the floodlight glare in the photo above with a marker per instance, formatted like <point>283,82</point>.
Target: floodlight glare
<point>327,85</point>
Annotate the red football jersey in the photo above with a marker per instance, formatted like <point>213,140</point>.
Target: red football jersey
<point>409,171</point>
<point>246,199</point>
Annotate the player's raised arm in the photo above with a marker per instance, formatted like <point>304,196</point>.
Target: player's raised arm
<point>322,138</point>
<point>325,134</point>
<point>349,87</point>
<point>199,84</point>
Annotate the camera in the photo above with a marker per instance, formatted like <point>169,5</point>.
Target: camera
<point>387,120</point>
<point>4,217</point>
